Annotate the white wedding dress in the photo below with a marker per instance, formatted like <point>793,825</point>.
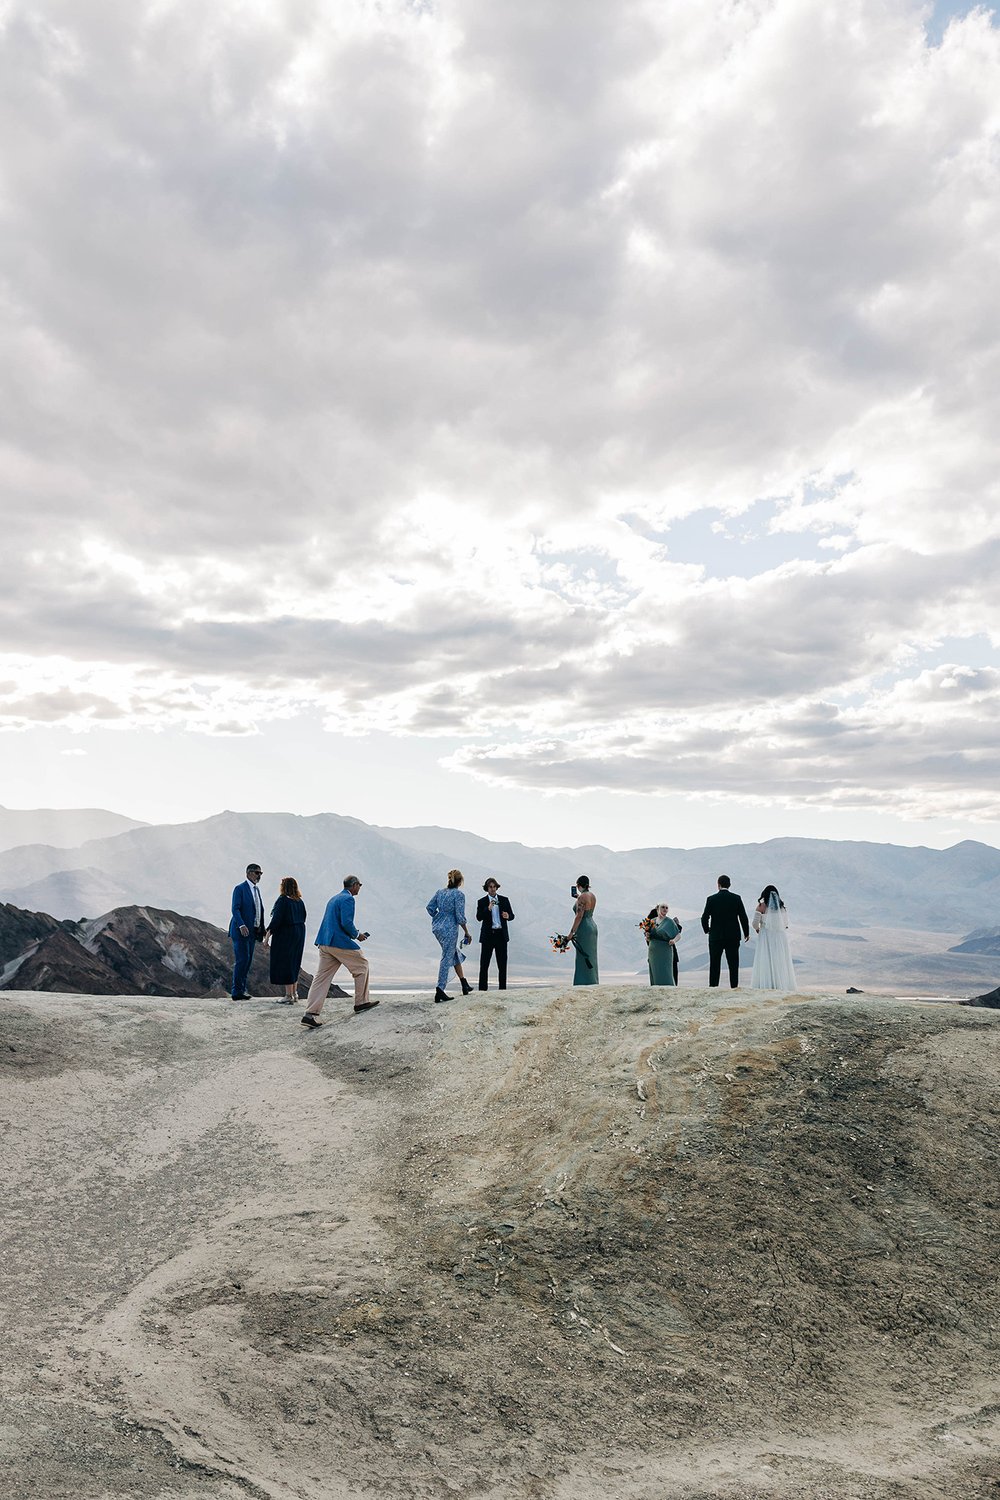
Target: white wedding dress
<point>772,960</point>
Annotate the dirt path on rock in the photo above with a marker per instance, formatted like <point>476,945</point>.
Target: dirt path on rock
<point>672,1244</point>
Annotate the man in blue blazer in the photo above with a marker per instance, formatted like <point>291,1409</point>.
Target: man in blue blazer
<point>339,942</point>
<point>246,927</point>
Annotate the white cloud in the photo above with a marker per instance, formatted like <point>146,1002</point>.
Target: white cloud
<point>341,343</point>
<point>926,748</point>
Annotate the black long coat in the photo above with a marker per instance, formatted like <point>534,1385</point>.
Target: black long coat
<point>288,939</point>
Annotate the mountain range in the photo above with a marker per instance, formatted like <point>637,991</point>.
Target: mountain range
<point>864,914</point>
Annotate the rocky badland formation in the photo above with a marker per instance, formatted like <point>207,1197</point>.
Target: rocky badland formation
<point>603,1242</point>
<point>135,950</point>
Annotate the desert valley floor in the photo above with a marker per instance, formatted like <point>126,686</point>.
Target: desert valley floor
<point>656,1245</point>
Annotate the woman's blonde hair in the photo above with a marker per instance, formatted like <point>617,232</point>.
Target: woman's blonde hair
<point>455,878</point>
<point>290,887</point>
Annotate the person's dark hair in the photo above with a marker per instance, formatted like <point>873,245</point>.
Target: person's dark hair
<point>290,887</point>
<point>653,912</point>
<point>725,882</point>
<point>583,882</point>
<point>253,866</point>
<point>350,880</point>
<point>455,878</point>
<point>490,880</point>
<point>766,892</point>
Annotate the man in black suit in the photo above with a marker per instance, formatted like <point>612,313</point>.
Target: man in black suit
<point>722,919</point>
<point>493,913</point>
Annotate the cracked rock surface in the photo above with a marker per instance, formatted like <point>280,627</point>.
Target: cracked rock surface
<point>612,1242</point>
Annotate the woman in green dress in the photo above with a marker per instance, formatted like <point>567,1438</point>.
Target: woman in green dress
<point>662,949</point>
<point>583,933</point>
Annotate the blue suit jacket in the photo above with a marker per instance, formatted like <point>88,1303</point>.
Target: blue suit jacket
<point>337,929</point>
<point>245,912</point>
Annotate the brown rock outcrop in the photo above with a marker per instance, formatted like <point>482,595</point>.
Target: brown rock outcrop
<point>133,950</point>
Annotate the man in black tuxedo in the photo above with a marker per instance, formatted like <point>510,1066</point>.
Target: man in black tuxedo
<point>493,913</point>
<point>722,919</point>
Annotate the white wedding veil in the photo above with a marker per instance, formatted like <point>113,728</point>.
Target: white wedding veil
<point>772,964</point>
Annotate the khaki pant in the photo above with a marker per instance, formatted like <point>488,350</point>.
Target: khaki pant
<point>330,960</point>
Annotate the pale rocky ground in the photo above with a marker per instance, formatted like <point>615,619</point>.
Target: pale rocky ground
<point>611,1242</point>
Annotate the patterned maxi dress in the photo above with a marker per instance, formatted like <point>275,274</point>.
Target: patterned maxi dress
<point>446,909</point>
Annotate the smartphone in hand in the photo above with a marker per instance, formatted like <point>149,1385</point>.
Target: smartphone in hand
<point>574,892</point>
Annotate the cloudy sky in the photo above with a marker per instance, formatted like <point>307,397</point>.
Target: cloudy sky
<point>578,423</point>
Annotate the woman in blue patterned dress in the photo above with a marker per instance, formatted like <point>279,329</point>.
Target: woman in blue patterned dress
<point>446,909</point>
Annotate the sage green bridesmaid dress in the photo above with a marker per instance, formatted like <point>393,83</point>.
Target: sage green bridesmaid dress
<point>661,955</point>
<point>585,971</point>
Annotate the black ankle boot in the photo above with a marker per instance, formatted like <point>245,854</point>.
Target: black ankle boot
<point>466,987</point>
<point>440,995</point>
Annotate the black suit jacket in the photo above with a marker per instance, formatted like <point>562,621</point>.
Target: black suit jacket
<point>486,929</point>
<point>723,917</point>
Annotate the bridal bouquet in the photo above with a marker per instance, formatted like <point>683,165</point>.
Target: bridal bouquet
<point>646,926</point>
<point>559,942</point>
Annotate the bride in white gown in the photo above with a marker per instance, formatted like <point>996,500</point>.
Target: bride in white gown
<point>772,961</point>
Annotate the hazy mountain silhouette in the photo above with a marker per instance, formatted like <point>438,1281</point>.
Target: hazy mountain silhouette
<point>63,828</point>
<point>983,940</point>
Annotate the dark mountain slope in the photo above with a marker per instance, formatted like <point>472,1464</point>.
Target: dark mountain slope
<point>134,950</point>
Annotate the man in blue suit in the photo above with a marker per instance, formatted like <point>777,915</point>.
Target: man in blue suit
<point>245,929</point>
<point>339,942</point>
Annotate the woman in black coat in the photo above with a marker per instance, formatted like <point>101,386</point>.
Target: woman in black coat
<point>286,933</point>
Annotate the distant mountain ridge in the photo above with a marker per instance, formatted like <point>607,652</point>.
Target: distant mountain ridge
<point>983,940</point>
<point>910,904</point>
<point>62,828</point>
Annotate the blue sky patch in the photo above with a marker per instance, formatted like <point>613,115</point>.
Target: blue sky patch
<point>949,10</point>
